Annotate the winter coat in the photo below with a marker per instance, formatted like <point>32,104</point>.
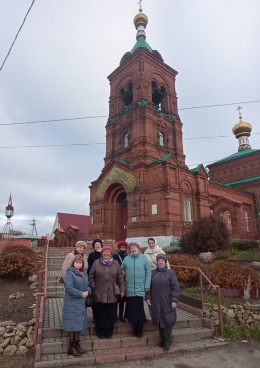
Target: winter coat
<point>92,257</point>
<point>119,256</point>
<point>138,274</point>
<point>102,278</point>
<point>164,290</point>
<point>74,316</point>
<point>67,263</point>
<point>152,253</point>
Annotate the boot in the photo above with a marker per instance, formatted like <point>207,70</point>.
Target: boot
<point>73,350</point>
<point>167,334</point>
<point>134,333</point>
<point>161,343</point>
<point>139,331</point>
<point>77,344</point>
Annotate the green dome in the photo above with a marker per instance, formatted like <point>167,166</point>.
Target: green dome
<point>141,43</point>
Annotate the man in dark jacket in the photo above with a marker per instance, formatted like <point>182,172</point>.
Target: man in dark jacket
<point>163,297</point>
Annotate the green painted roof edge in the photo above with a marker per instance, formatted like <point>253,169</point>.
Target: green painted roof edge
<point>165,158</point>
<point>141,44</point>
<point>123,162</point>
<point>244,152</point>
<point>243,191</point>
<point>196,169</point>
<point>244,181</point>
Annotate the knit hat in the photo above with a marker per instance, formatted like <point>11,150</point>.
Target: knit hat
<point>122,242</point>
<point>130,245</point>
<point>161,256</point>
<point>106,247</point>
<point>81,243</point>
<point>97,241</point>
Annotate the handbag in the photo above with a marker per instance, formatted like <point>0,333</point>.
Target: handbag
<point>89,301</point>
<point>116,287</point>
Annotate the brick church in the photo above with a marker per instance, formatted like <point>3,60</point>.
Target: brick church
<point>145,188</point>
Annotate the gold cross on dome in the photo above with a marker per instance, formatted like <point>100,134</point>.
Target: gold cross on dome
<point>239,109</point>
<point>140,5</point>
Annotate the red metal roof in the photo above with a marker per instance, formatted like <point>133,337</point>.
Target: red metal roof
<point>74,227</point>
<point>80,221</point>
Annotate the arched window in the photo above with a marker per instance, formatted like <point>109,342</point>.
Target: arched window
<point>126,140</point>
<point>187,209</point>
<point>161,139</point>
<point>246,220</point>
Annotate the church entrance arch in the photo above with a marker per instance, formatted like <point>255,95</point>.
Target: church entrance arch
<point>116,198</point>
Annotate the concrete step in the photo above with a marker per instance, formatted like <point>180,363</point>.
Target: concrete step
<point>115,354</point>
<point>60,345</point>
<point>55,288</point>
<point>56,332</point>
<point>55,294</point>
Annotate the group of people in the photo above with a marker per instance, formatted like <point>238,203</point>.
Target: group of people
<point>119,281</point>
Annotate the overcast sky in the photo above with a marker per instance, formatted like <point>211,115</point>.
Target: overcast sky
<point>58,69</point>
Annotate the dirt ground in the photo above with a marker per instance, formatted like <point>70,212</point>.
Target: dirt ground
<point>16,310</point>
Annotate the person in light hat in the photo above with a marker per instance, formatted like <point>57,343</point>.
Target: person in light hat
<point>138,278</point>
<point>107,283</point>
<point>162,298</point>
<point>80,247</point>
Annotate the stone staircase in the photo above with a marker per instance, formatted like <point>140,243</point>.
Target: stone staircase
<point>189,332</point>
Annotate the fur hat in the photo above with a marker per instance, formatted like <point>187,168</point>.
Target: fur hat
<point>97,241</point>
<point>130,245</point>
<point>106,247</point>
<point>161,256</point>
<point>122,242</point>
<point>81,243</point>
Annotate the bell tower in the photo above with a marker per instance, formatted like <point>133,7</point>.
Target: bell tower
<point>143,123</point>
<point>145,182</point>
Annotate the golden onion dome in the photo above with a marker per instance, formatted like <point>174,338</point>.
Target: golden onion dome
<point>242,128</point>
<point>140,18</point>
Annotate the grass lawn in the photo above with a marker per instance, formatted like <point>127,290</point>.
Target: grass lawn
<point>210,298</point>
<point>245,255</point>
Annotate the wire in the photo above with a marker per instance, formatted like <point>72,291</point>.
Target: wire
<point>105,116</point>
<point>80,205</point>
<point>93,144</point>
<point>55,145</point>
<point>225,104</point>
<point>9,51</point>
<point>57,120</point>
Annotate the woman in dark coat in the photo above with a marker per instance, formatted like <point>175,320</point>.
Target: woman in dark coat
<point>119,257</point>
<point>163,297</point>
<point>92,257</point>
<point>105,273</point>
<point>74,318</point>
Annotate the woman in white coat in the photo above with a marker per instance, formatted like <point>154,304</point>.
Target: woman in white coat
<point>152,251</point>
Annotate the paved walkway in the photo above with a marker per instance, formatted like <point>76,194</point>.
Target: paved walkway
<point>53,313</point>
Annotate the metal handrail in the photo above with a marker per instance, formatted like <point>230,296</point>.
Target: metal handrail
<point>40,296</point>
<point>46,269</point>
<point>216,289</point>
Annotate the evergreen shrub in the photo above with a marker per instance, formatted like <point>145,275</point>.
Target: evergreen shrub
<point>208,234</point>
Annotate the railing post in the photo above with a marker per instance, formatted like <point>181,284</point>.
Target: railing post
<point>220,312</point>
<point>201,291</point>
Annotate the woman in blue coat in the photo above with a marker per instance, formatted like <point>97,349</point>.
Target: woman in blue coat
<point>138,278</point>
<point>163,297</point>
<point>74,318</point>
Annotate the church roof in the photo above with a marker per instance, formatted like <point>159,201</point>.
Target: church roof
<point>196,169</point>
<point>238,154</point>
<point>249,180</point>
<point>141,43</point>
